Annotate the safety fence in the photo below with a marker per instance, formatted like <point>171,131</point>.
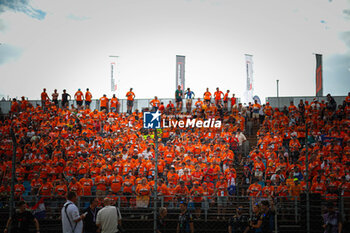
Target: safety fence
<point>211,214</point>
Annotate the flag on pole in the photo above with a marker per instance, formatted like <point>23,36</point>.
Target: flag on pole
<point>113,76</point>
<point>180,72</point>
<point>319,75</point>
<point>248,96</point>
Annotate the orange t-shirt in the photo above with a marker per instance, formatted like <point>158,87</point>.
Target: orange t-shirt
<point>103,101</point>
<point>116,183</point>
<point>88,96</point>
<point>221,187</point>
<point>143,190</point>
<point>46,189</point>
<point>114,102</point>
<point>197,193</point>
<point>86,184</point>
<point>218,94</point>
<point>79,96</point>
<point>130,95</point>
<point>254,189</point>
<point>101,183</point>
<point>207,95</point>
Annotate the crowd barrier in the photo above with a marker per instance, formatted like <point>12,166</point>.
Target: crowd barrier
<point>280,102</point>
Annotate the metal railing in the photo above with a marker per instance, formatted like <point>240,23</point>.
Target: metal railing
<point>139,104</point>
<point>290,211</point>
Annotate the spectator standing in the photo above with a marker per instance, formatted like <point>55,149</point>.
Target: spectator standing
<point>238,222</point>
<point>130,100</point>
<point>256,220</point>
<point>233,102</point>
<point>71,220</point>
<point>217,96</point>
<point>332,220</point>
<point>189,96</point>
<point>20,222</point>
<point>104,103</point>
<point>185,221</point>
<point>256,109</point>
<point>79,97</point>
<point>88,98</point>
<point>268,216</point>
<point>161,221</point>
<point>225,99</point>
<point>207,96</point>
<point>155,104</point>
<point>90,219</point>
<point>241,139</point>
<point>55,97</point>
<point>114,104</point>
<point>178,98</point>
<point>108,218</point>
<point>44,97</point>
<point>65,100</point>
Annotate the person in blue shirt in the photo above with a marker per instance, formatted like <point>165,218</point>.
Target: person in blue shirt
<point>189,95</point>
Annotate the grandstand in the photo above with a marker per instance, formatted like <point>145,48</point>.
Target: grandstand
<point>282,156</point>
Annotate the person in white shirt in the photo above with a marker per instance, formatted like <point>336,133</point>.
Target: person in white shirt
<point>71,220</point>
<point>108,218</point>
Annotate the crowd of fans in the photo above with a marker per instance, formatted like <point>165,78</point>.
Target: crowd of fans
<point>315,133</point>
<point>72,148</point>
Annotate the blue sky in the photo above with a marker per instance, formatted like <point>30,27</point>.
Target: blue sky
<point>66,45</point>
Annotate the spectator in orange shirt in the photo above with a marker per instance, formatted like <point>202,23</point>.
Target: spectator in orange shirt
<point>217,96</point>
<point>295,189</point>
<point>221,193</point>
<point>114,104</point>
<point>86,183</point>
<point>44,98</point>
<point>61,189</point>
<point>127,185</point>
<point>197,194</point>
<point>35,184</point>
<point>88,98</point>
<point>318,187</point>
<point>170,108</point>
<point>116,182</point>
<point>102,182</point>
<point>130,95</point>
<point>164,192</point>
<point>225,99</point>
<point>75,186</point>
<point>233,102</point>
<point>181,191</point>
<point>79,97</point>
<point>155,104</point>
<point>104,103</point>
<point>207,96</point>
<point>254,189</point>
<point>46,188</point>
<point>19,190</point>
<point>14,106</point>
<point>256,108</point>
<point>143,192</point>
<point>294,147</point>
